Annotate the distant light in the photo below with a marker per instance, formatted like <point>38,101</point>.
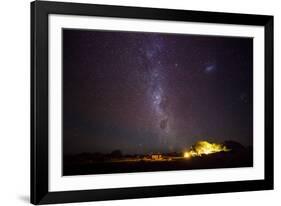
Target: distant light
<point>205,148</point>
<point>186,155</point>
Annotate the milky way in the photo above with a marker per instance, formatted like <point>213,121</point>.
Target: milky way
<point>151,92</point>
<point>156,91</point>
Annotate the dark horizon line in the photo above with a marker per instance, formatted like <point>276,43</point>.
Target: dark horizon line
<point>129,153</point>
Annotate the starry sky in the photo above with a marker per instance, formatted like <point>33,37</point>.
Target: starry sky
<point>143,92</point>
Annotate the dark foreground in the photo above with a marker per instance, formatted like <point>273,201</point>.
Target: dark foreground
<point>217,160</point>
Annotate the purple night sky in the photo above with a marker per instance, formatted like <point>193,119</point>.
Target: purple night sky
<point>153,92</point>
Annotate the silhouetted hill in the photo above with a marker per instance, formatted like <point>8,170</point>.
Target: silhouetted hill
<point>234,146</point>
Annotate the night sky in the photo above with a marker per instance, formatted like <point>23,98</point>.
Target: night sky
<point>153,92</point>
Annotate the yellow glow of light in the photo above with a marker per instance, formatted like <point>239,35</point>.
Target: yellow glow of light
<point>205,148</point>
<point>186,155</point>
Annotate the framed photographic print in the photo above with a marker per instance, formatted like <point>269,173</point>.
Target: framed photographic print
<point>133,102</point>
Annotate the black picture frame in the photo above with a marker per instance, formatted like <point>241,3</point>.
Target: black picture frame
<point>39,102</point>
